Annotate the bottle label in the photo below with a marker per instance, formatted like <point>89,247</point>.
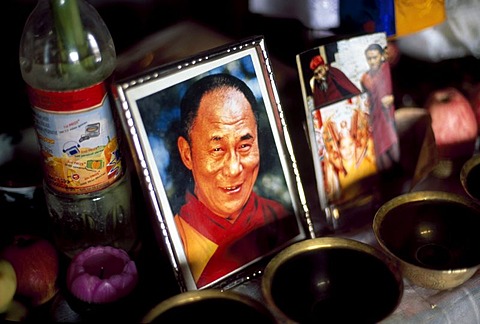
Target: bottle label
<point>77,138</point>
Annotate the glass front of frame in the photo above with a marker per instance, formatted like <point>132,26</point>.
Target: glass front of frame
<point>222,183</point>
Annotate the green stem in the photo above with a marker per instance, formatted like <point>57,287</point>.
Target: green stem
<point>73,43</point>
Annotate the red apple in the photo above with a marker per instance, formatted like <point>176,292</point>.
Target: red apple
<point>453,123</point>
<point>36,264</point>
<point>474,98</point>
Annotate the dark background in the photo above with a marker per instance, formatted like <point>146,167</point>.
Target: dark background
<point>129,21</point>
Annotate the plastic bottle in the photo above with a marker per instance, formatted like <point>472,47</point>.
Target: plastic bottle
<point>66,58</point>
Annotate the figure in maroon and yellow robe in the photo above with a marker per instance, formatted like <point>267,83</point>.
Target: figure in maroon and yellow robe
<point>215,247</point>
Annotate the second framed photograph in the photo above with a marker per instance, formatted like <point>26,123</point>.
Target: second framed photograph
<point>349,106</point>
<point>214,158</point>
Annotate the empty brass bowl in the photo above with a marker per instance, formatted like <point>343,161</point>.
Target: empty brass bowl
<point>434,235</point>
<point>332,279</point>
<point>209,306</point>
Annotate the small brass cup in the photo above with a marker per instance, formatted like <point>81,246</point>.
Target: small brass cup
<point>433,234</point>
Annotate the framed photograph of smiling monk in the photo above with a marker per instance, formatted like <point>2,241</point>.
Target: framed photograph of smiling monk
<point>212,152</point>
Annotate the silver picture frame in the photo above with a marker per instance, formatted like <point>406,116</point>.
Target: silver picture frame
<point>148,106</point>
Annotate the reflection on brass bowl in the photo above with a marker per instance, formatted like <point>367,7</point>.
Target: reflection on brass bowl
<point>332,279</point>
<point>434,235</point>
<point>470,177</point>
<point>209,306</point>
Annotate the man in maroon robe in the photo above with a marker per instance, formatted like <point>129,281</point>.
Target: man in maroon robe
<point>224,224</point>
<point>329,84</point>
<point>377,82</point>
<point>259,229</point>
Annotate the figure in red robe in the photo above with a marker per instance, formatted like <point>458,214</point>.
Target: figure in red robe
<point>217,247</point>
<point>329,84</point>
<point>377,82</point>
<point>224,224</point>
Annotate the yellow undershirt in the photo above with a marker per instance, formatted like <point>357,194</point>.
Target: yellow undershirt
<point>198,249</point>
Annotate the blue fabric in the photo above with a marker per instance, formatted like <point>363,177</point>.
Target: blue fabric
<point>367,16</point>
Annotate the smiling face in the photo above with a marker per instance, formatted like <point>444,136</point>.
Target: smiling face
<point>223,154</point>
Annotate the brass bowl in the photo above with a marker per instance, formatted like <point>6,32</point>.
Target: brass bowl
<point>209,306</point>
<point>433,234</point>
<point>470,177</point>
<point>332,279</point>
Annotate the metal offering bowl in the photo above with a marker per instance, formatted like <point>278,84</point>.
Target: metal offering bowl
<point>209,306</point>
<point>435,236</point>
<point>332,279</point>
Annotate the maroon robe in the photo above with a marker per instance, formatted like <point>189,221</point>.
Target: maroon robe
<point>378,83</point>
<point>262,225</point>
<point>339,86</point>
